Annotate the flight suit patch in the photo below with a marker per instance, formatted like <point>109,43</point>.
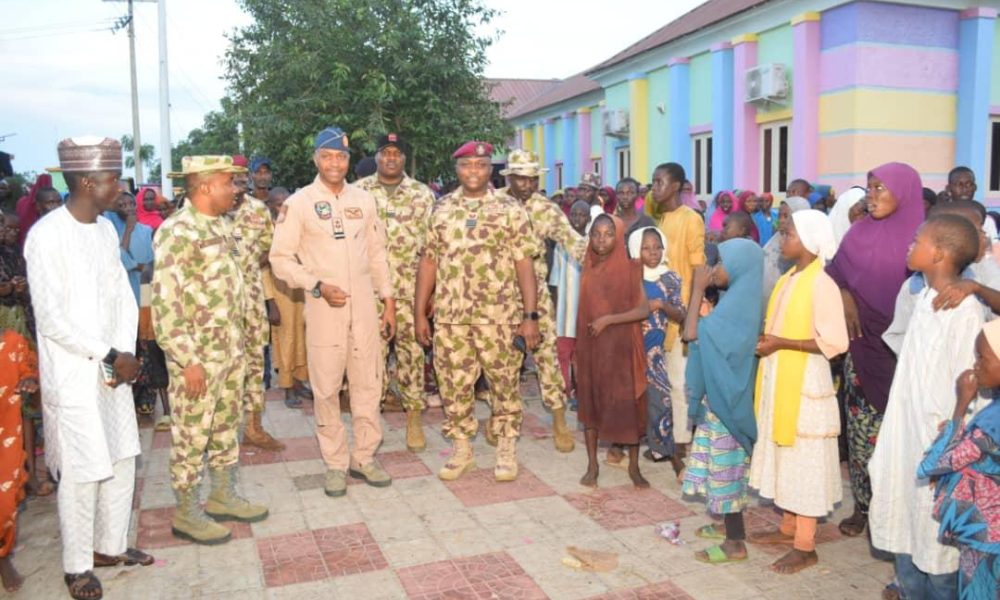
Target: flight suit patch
<point>353,213</point>
<point>323,210</point>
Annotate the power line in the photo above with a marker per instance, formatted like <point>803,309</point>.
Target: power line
<point>53,34</point>
<point>52,27</point>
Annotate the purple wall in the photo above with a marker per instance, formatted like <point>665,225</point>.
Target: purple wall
<point>879,22</point>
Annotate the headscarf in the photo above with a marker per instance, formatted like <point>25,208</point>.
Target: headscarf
<point>839,214</point>
<point>821,193</point>
<point>26,209</point>
<point>796,203</point>
<point>988,419</point>
<point>608,286</point>
<point>718,217</point>
<point>722,363</point>
<point>741,204</point>
<point>689,200</point>
<point>612,203</point>
<point>871,265</point>
<point>774,264</point>
<point>635,249</point>
<point>146,217</point>
<point>816,233</point>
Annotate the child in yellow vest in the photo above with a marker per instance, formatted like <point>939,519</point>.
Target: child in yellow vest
<point>795,458</point>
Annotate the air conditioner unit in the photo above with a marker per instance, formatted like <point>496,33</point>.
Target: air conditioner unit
<point>766,83</point>
<point>616,123</point>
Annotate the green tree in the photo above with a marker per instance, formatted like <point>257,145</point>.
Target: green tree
<point>219,134</point>
<point>368,66</point>
<point>146,153</point>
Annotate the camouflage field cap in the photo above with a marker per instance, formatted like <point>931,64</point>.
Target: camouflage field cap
<point>591,180</point>
<point>523,162</point>
<point>195,165</point>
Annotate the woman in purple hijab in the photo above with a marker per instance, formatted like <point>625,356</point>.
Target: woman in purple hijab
<point>870,267</point>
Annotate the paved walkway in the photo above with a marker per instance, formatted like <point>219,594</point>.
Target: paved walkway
<point>422,539</point>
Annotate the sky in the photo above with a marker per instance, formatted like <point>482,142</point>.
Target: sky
<point>67,74</point>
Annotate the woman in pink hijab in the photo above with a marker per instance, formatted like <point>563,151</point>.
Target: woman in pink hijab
<point>147,209</point>
<point>725,203</point>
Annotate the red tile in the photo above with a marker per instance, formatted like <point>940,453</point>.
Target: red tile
<point>656,591</point>
<point>300,448</point>
<point>252,456</point>
<point>400,465</point>
<point>536,427</point>
<point>624,506</point>
<point>291,558</point>
<point>486,576</point>
<point>478,488</point>
<point>137,492</point>
<point>349,549</point>
<point>161,439</point>
<point>274,394</point>
<point>432,417</point>
<point>154,529</point>
<point>759,519</point>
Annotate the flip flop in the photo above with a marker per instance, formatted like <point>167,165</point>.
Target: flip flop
<point>709,532</point>
<point>717,556</point>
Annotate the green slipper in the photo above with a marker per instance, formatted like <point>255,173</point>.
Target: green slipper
<point>709,532</point>
<point>717,556</point>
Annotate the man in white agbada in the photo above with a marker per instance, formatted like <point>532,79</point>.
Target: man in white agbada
<point>87,321</point>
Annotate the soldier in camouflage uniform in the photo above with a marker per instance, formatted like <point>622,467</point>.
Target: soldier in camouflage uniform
<point>254,232</point>
<point>199,303</point>
<point>404,205</point>
<point>548,222</point>
<point>477,262</point>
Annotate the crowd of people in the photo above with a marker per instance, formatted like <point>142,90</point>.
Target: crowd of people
<point>751,346</point>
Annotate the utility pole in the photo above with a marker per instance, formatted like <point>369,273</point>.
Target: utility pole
<point>166,186</point>
<point>136,138</point>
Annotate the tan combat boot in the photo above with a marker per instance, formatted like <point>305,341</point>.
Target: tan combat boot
<point>461,461</point>
<point>561,434</point>
<point>226,504</point>
<point>191,523</point>
<point>506,469</point>
<point>254,434</point>
<point>415,441</point>
<point>491,438</point>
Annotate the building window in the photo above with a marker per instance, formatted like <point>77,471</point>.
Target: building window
<point>701,158</point>
<point>994,155</point>
<point>774,157</point>
<point>559,176</point>
<point>624,159</point>
<point>597,166</point>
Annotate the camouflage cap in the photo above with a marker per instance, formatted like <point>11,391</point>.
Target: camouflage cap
<point>523,162</point>
<point>194,165</point>
<point>591,180</point>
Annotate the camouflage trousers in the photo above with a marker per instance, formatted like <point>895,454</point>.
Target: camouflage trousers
<point>550,379</point>
<point>253,387</point>
<point>461,352</point>
<point>409,360</point>
<point>206,425</point>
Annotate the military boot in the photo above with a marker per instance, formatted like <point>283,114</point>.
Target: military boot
<point>506,468</point>
<point>491,438</point>
<point>461,461</point>
<point>254,434</point>
<point>561,434</point>
<point>415,441</point>
<point>191,523</point>
<point>226,504</point>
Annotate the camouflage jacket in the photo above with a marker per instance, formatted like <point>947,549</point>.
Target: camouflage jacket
<point>475,243</point>
<point>549,222</point>
<point>406,215</point>
<point>254,231</point>
<point>199,296</point>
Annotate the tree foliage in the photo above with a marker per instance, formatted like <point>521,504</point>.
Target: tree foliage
<point>219,134</point>
<point>414,67</point>
<point>146,153</point>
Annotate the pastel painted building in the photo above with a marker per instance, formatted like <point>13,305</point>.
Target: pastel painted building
<point>752,94</point>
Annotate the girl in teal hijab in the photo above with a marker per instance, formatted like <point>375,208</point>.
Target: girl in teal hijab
<point>720,376</point>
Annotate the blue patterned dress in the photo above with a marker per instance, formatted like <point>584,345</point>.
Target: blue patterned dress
<point>967,499</point>
<point>659,426</point>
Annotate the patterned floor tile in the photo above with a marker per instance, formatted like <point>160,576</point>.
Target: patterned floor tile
<point>312,481</point>
<point>759,519</point>
<point>161,439</point>
<point>137,492</point>
<point>252,456</point>
<point>656,591</point>
<point>493,575</point>
<point>291,558</point>
<point>349,549</point>
<point>302,448</point>
<point>478,488</point>
<point>154,529</point>
<point>623,507</point>
<point>432,417</point>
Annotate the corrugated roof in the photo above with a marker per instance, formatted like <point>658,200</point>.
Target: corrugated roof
<point>576,85</point>
<point>517,91</point>
<point>709,13</point>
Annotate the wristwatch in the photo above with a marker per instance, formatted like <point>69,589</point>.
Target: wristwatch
<point>315,291</point>
<point>530,316</point>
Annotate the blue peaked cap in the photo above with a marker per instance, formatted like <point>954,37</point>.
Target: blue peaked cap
<point>332,138</point>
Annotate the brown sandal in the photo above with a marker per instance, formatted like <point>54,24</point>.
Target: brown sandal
<point>854,525</point>
<point>130,558</point>
<point>84,586</point>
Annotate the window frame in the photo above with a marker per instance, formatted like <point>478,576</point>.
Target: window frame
<point>774,141</point>
<point>701,165</point>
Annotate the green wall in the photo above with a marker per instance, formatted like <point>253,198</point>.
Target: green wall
<point>701,89</point>
<point>659,123</point>
<point>777,46</point>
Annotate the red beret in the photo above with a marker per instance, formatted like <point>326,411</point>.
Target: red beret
<point>240,161</point>
<point>473,149</point>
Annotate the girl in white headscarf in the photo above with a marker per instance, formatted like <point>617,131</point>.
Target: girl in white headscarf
<point>774,264</point>
<point>796,458</point>
<point>840,214</point>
